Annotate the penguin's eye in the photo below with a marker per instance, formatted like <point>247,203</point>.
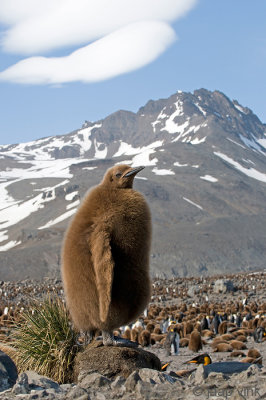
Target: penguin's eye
<point>118,175</point>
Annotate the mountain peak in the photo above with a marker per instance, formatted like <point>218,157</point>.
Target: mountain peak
<point>205,180</point>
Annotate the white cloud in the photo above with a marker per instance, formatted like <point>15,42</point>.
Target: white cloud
<point>120,36</point>
<point>15,11</point>
<point>122,51</point>
<point>37,25</point>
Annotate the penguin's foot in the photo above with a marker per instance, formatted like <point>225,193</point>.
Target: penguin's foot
<point>110,340</point>
<point>88,337</point>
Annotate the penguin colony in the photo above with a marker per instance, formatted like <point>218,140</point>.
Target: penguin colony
<point>105,256</point>
<point>241,317</point>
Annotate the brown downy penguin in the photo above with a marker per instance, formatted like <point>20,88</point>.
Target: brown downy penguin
<point>195,343</point>
<point>105,256</point>
<point>145,338</point>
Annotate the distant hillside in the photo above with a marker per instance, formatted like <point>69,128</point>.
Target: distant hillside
<point>205,181</point>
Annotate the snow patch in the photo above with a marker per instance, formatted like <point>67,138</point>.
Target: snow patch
<point>12,212</point>
<point>9,245</point>
<point>70,196</point>
<point>262,142</point>
<point>85,142</point>
<point>170,125</point>
<point>100,154</point>
<point>127,162</point>
<point>177,164</point>
<point>17,212</point>
<point>126,149</point>
<point>201,109</point>
<point>157,171</point>
<point>198,141</point>
<point>192,202</point>
<point>240,108</point>
<point>248,161</point>
<point>252,143</point>
<point>251,172</point>
<point>74,204</point>
<point>209,178</point>
<point>162,115</point>
<point>238,144</point>
<point>3,236</point>
<point>58,219</point>
<point>143,158</point>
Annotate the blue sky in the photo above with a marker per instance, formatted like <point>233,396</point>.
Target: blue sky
<point>123,59</point>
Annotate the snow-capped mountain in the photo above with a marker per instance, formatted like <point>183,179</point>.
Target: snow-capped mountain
<point>205,180</point>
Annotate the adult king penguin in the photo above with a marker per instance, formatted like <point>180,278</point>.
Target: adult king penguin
<point>105,256</point>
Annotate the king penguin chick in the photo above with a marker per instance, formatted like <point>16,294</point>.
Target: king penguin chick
<point>105,256</point>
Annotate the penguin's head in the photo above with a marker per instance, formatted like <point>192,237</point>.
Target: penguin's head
<point>121,176</point>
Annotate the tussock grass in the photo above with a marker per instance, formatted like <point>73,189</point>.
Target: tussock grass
<point>45,341</point>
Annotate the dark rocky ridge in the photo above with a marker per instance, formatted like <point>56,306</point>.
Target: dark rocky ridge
<point>209,210</point>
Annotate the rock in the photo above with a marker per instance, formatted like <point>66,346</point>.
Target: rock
<point>223,286</point>
<point>113,361</point>
<point>243,376</point>
<point>4,385</point>
<point>84,397</point>
<point>192,291</point>
<point>38,382</point>
<point>66,387</point>
<point>144,389</point>
<point>22,384</point>
<point>199,375</point>
<point>100,396</point>
<point>216,377</point>
<point>94,380</point>
<point>41,394</point>
<point>118,382</point>
<point>8,372</point>
<point>153,376</point>
<point>132,381</point>
<point>77,393</point>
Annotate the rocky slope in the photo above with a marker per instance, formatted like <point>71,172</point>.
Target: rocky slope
<point>205,181</point>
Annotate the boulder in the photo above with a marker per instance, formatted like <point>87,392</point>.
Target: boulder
<point>8,372</point>
<point>223,286</point>
<point>112,361</point>
<point>132,381</point>
<point>192,291</point>
<point>95,380</point>
<point>29,381</point>
<point>152,376</point>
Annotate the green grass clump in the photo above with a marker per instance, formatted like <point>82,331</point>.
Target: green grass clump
<point>46,342</point>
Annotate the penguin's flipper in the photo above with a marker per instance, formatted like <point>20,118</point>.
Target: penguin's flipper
<point>104,269</point>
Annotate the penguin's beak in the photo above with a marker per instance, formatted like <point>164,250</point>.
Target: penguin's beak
<point>133,171</point>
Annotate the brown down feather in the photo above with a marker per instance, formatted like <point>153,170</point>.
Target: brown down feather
<point>105,255</point>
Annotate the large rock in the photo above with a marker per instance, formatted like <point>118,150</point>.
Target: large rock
<point>8,372</point>
<point>151,376</point>
<point>31,380</point>
<point>223,286</point>
<point>192,291</point>
<point>112,361</point>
